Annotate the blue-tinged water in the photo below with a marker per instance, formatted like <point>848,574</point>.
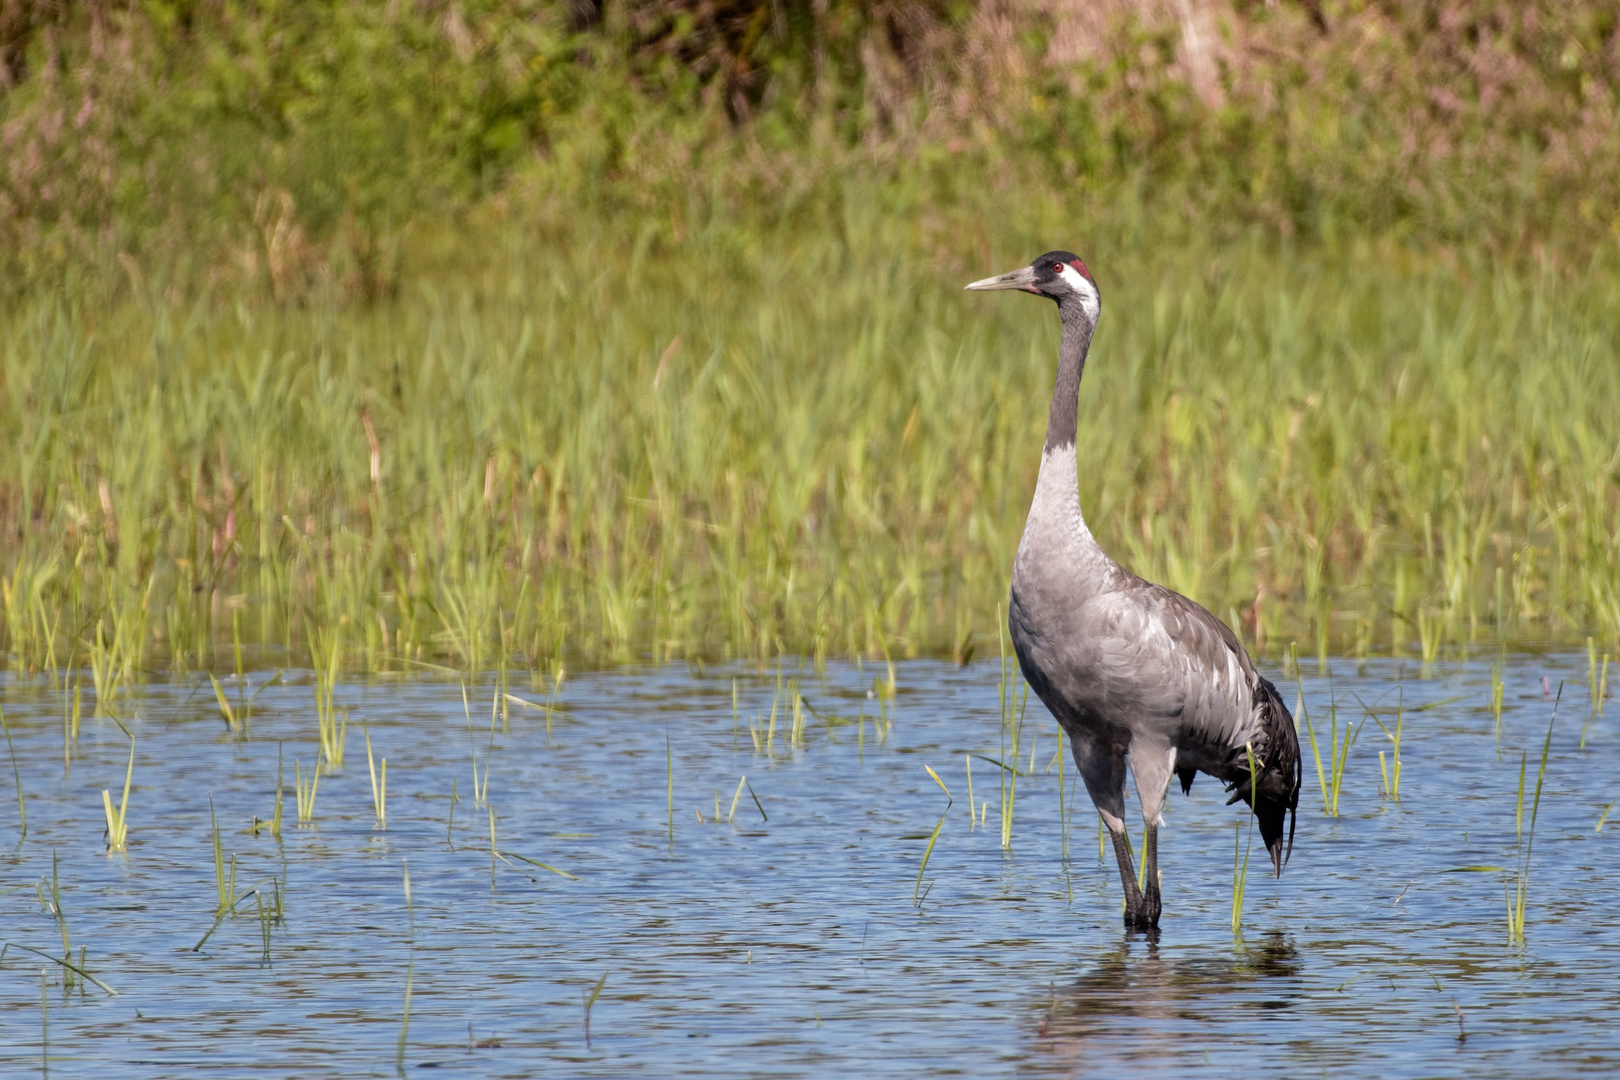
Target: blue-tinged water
<point>792,946</point>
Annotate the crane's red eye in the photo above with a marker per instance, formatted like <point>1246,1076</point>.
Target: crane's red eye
<point>1057,268</point>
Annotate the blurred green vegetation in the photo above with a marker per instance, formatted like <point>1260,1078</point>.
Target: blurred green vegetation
<point>483,332</point>
<point>304,144</point>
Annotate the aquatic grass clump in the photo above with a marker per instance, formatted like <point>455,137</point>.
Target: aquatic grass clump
<point>1240,869</point>
<point>559,673</point>
<point>266,919</point>
<point>796,735</point>
<point>379,789</point>
<point>1498,685</point>
<point>590,999</point>
<point>224,882</point>
<point>967,765</point>
<point>70,969</point>
<point>742,785</point>
<point>480,787</point>
<point>60,915</point>
<point>71,716</point>
<point>1240,872</point>
<point>306,792</point>
<point>1516,888</point>
<point>118,820</point>
<point>1013,703</point>
<point>1390,770</point>
<point>497,853</point>
<point>1330,781</point>
<point>275,815</point>
<point>331,722</point>
<point>235,718</point>
<point>268,915</point>
<point>115,657</point>
<point>785,696</point>
<point>1597,684</point>
<point>28,627</point>
<point>917,896</point>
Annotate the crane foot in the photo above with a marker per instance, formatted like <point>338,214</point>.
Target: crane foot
<point>1144,917</point>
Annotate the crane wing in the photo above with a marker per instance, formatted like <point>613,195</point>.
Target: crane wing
<point>1185,679</point>
<point>1169,663</point>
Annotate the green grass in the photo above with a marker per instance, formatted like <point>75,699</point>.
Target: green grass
<point>1013,695</point>
<point>1516,886</point>
<point>275,815</point>
<point>1597,683</point>
<point>118,820</point>
<point>1331,779</point>
<point>590,999</point>
<point>1240,871</point>
<point>306,792</point>
<point>224,872</point>
<point>1390,766</point>
<point>61,916</point>
<point>798,435</point>
<point>480,788</point>
<point>1498,686</point>
<point>235,722</point>
<point>71,716</point>
<point>331,721</point>
<point>917,895</point>
<point>379,789</point>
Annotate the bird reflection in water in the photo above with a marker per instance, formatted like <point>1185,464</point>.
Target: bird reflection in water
<point>1136,1001</point>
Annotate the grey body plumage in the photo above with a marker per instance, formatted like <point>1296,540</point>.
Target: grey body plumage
<point>1138,676</point>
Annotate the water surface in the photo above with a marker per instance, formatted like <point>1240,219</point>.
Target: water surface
<point>784,939</point>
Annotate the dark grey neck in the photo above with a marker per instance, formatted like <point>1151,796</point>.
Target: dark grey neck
<point>1061,422</point>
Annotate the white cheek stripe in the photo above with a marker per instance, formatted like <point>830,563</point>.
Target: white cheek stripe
<point>1088,292</point>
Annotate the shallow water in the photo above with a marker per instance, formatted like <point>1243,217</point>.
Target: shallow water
<point>787,942</point>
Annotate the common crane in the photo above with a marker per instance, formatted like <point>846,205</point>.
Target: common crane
<point>1134,672</point>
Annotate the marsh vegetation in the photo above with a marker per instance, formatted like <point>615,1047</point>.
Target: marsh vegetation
<point>538,387</point>
<point>481,336</point>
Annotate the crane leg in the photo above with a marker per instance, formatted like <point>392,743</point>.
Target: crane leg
<point>1136,908</point>
<point>1102,767</point>
<point>1151,904</point>
<point>1153,764</point>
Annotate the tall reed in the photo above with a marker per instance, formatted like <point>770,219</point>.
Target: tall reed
<point>1443,428</point>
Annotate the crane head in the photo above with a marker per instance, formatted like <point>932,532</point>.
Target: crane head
<point>1057,275</point>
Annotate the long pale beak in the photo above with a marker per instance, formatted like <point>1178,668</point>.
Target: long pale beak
<point>1023,278</point>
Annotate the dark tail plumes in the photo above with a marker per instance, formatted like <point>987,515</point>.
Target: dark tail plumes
<point>1281,773</point>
